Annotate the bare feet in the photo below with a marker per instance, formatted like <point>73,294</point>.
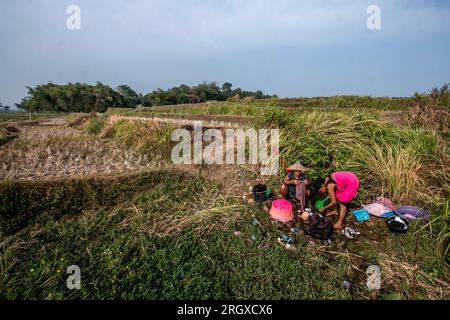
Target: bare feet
<point>332,213</point>
<point>337,226</point>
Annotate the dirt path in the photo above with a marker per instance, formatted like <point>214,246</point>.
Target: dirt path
<point>53,122</point>
<point>209,122</point>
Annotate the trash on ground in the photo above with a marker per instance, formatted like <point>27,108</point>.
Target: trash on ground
<point>346,285</point>
<point>237,233</point>
<point>288,246</point>
<point>350,233</point>
<point>254,222</point>
<point>295,230</point>
<point>286,239</point>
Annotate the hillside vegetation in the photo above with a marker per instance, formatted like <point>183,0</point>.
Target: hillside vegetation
<point>158,231</point>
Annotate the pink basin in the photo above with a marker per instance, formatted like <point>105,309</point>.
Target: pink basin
<point>282,210</point>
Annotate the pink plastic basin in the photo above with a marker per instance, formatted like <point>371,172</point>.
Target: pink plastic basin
<point>282,210</point>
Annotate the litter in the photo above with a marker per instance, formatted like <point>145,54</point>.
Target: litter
<point>346,285</point>
<point>295,230</point>
<point>254,222</point>
<point>361,215</point>
<point>398,225</point>
<point>285,239</point>
<point>237,233</point>
<point>350,233</point>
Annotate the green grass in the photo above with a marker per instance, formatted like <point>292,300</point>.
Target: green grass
<point>121,258</point>
<point>95,126</point>
<point>6,116</point>
<point>117,247</point>
<point>169,235</point>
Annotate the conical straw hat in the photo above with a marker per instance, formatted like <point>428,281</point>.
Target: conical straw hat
<point>297,167</point>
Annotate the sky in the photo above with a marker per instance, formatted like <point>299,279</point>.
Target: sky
<point>291,48</point>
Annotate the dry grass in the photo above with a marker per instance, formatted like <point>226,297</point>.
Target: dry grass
<point>399,275</point>
<point>429,117</point>
<point>204,220</point>
<point>391,171</point>
<point>44,152</point>
<point>342,128</point>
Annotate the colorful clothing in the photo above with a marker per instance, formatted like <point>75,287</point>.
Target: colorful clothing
<point>298,191</point>
<point>291,177</point>
<point>347,185</point>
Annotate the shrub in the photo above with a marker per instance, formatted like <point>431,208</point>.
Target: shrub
<point>95,126</point>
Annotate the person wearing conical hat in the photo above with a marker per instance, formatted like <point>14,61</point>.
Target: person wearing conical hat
<point>295,175</point>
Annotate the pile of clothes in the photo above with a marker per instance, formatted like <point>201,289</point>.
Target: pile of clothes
<point>399,217</point>
<point>381,207</point>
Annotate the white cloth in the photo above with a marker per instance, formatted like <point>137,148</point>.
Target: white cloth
<point>376,209</point>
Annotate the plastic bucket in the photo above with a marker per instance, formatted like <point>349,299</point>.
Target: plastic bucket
<point>398,225</point>
<point>412,213</point>
<point>260,193</point>
<point>282,210</point>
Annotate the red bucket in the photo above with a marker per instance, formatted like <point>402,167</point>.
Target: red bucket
<point>282,210</point>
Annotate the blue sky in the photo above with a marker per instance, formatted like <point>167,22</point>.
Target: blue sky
<point>287,47</point>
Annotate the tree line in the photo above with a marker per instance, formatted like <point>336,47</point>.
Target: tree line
<point>81,97</point>
<point>4,107</point>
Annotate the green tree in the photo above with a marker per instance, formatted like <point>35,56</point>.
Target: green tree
<point>128,96</point>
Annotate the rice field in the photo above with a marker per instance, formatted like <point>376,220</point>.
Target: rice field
<point>103,195</point>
